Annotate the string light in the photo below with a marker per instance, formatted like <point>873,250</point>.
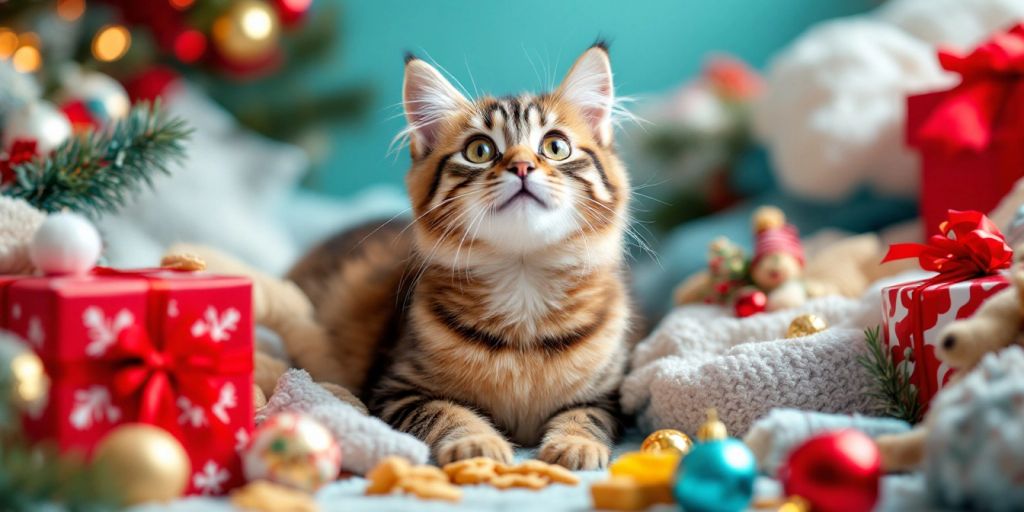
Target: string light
<point>70,10</point>
<point>8,43</point>
<point>189,46</point>
<point>256,23</point>
<point>111,43</point>
<point>181,5</point>
<point>27,59</point>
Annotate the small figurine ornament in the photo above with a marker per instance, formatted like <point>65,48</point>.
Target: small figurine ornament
<point>778,263</point>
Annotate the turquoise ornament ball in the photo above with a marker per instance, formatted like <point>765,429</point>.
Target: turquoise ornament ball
<point>716,476</point>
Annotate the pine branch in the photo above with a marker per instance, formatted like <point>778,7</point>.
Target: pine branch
<point>893,386</point>
<point>99,172</point>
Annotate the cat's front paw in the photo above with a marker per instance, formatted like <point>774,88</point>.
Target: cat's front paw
<point>477,445</point>
<point>575,452</point>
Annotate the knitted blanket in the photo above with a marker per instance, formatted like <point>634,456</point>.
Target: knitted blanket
<point>364,440</point>
<point>702,356</point>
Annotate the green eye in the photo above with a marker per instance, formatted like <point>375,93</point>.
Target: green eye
<point>555,147</point>
<point>479,150</point>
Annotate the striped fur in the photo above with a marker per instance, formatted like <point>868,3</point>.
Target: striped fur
<point>514,321</point>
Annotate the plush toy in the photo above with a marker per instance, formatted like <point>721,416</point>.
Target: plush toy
<point>280,306</point>
<point>728,271</point>
<point>995,326</point>
<point>18,223</point>
<point>778,263</point>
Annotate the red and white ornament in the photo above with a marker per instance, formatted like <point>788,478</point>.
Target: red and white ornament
<point>292,449</point>
<point>39,122</point>
<point>92,99</point>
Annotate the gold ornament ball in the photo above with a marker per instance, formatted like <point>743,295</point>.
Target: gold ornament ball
<point>806,325</point>
<point>712,429</point>
<point>30,385</point>
<point>667,440</point>
<point>247,32</point>
<point>146,462</point>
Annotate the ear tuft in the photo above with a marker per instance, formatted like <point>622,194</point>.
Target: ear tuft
<point>428,99</point>
<point>409,57</point>
<point>601,43</point>
<point>589,87</point>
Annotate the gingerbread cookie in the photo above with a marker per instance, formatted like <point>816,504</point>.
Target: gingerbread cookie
<point>397,474</point>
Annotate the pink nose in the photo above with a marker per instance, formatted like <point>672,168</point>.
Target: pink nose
<point>521,169</point>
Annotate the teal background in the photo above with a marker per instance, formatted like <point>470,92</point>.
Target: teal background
<point>655,45</point>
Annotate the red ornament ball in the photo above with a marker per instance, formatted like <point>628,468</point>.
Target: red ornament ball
<point>189,46</point>
<point>750,303</point>
<point>834,472</point>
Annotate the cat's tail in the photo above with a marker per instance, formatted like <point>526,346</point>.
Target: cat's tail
<point>357,283</point>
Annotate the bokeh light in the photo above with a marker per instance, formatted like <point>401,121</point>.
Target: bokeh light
<point>70,10</point>
<point>8,43</point>
<point>111,43</point>
<point>27,59</point>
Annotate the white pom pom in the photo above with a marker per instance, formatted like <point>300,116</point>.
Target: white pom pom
<point>66,243</point>
<point>40,122</point>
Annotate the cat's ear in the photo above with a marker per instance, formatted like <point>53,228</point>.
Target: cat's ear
<point>428,100</point>
<point>588,86</point>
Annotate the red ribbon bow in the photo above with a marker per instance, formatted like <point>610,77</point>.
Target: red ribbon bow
<point>178,365</point>
<point>988,102</point>
<point>969,245</point>
<point>185,367</point>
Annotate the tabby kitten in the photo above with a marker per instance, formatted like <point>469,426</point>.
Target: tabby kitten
<point>500,315</point>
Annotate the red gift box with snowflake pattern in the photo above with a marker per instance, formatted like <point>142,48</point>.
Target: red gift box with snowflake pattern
<point>170,348</point>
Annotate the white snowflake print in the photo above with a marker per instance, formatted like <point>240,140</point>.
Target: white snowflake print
<point>228,399</point>
<point>16,311</point>
<point>241,439</point>
<point>217,325</point>
<point>92,406</point>
<point>211,479</point>
<point>191,414</point>
<point>103,331</point>
<point>36,335</point>
<point>172,308</point>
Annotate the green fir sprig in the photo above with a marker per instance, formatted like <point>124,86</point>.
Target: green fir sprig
<point>893,387</point>
<point>97,173</point>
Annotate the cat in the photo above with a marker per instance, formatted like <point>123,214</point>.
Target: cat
<point>500,314</point>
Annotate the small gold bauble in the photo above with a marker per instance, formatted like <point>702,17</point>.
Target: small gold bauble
<point>667,440</point>
<point>712,429</point>
<point>30,385</point>
<point>806,325</point>
<point>146,462</point>
<point>248,32</point>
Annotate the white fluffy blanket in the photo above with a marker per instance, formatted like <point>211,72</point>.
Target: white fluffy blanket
<point>701,356</point>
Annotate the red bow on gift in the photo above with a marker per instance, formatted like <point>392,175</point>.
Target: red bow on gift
<point>175,376</point>
<point>979,109</point>
<point>969,245</point>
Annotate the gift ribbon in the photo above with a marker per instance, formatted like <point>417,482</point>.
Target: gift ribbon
<point>968,245</point>
<point>156,370</point>
<point>974,113</point>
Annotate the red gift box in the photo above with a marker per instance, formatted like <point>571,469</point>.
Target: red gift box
<point>168,348</point>
<point>968,255</point>
<point>971,138</point>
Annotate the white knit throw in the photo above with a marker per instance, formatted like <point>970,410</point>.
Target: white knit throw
<point>364,440</point>
<point>702,356</point>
